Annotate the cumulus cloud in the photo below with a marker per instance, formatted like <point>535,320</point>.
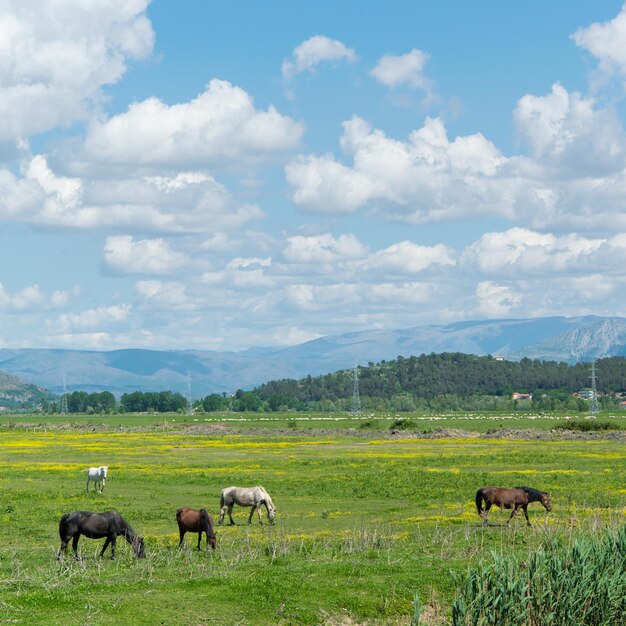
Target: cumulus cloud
<point>409,257</point>
<point>425,178</point>
<point>98,317</point>
<point>56,56</point>
<point>314,51</point>
<point>323,249</point>
<point>185,202</point>
<point>523,252</point>
<point>496,300</point>
<point>24,299</point>
<point>605,41</point>
<point>405,69</point>
<point>33,298</point>
<point>167,294</point>
<point>323,185</point>
<point>566,130</point>
<point>219,127</point>
<point>574,179</point>
<point>124,255</point>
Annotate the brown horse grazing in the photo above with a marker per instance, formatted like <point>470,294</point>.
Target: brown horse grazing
<point>515,498</point>
<point>95,526</point>
<point>196,521</point>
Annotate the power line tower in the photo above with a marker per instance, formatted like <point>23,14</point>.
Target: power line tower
<point>189,406</point>
<point>593,398</point>
<point>64,398</point>
<point>356,398</point>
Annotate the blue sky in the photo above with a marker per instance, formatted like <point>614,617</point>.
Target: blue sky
<point>226,175</point>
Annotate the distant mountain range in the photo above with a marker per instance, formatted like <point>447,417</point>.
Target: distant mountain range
<point>550,338</point>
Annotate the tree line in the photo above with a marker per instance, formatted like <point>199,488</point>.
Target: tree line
<point>434,382</point>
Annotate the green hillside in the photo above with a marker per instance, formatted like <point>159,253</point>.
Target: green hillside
<point>452,380</point>
<point>17,395</point>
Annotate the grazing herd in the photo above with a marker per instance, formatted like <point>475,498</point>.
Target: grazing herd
<point>111,524</point>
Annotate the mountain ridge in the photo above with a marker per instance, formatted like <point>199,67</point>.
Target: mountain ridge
<point>569,339</point>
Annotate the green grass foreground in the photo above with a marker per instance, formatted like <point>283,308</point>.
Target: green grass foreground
<point>363,522</point>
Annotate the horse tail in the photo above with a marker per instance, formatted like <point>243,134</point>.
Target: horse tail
<point>63,526</point>
<point>479,501</point>
<point>222,500</point>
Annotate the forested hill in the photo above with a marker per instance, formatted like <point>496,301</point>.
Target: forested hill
<point>462,375</point>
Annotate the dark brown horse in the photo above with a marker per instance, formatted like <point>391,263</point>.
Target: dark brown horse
<point>196,521</point>
<point>515,498</point>
<point>95,526</point>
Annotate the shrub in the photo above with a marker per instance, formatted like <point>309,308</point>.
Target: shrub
<point>588,425</point>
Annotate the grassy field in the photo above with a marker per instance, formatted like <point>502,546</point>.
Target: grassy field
<point>363,522</point>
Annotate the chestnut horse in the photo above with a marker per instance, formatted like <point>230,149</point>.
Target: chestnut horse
<point>95,526</point>
<point>515,498</point>
<point>195,521</point>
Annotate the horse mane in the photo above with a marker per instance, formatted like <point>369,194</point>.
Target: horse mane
<point>268,497</point>
<point>533,494</point>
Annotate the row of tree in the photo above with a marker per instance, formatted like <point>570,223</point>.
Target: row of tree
<point>434,382</point>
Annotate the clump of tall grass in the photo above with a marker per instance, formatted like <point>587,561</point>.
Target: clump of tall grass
<point>588,425</point>
<point>584,583</point>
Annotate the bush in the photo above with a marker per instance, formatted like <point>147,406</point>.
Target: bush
<point>584,583</point>
<point>588,425</point>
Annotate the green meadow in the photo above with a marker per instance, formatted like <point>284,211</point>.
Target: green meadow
<point>363,523</point>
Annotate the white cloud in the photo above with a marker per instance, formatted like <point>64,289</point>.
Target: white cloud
<point>405,69</point>
<point>33,299</point>
<point>325,186</point>
<point>575,179</point>
<point>427,178</point>
<point>606,41</point>
<point>218,128</point>
<point>323,249</point>
<point>404,293</point>
<point>55,57</point>
<point>523,251</point>
<point>526,253</point>
<point>169,294</point>
<point>186,202</point>
<point>313,51</point>
<point>124,255</point>
<point>91,318</point>
<point>409,257</point>
<point>242,263</point>
<point>495,300</point>
<point>565,130</point>
<point>27,298</point>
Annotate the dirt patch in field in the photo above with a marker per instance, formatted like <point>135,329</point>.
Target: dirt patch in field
<point>224,429</point>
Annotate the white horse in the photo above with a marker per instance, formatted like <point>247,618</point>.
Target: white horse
<point>246,496</point>
<point>98,475</point>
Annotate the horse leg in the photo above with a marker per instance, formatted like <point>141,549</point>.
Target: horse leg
<point>75,546</point>
<point>513,512</point>
<point>485,513</point>
<point>251,514</point>
<point>106,544</point>
<point>200,538</point>
<point>230,514</point>
<point>62,549</point>
<point>182,537</point>
<point>113,542</point>
<point>525,509</point>
<point>87,484</point>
